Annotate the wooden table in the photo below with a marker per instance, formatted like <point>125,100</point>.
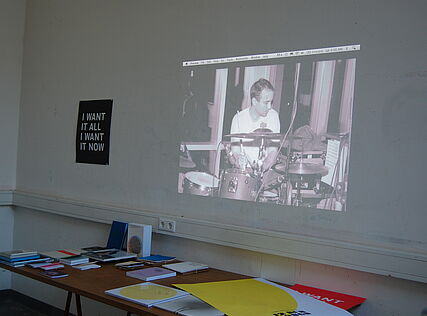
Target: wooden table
<point>93,283</point>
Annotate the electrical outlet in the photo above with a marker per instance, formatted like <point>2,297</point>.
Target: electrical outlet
<point>167,225</point>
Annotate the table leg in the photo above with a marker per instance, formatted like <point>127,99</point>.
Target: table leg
<point>68,303</point>
<point>78,305</point>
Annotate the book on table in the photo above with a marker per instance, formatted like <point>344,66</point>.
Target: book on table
<point>58,254</point>
<point>150,274</point>
<point>95,249</point>
<point>116,238</point>
<point>157,259</point>
<point>46,266</point>
<point>129,265</point>
<point>73,260</point>
<point>109,255</point>
<point>186,267</point>
<point>86,266</point>
<point>18,253</point>
<point>139,239</point>
<point>18,264</point>
<point>19,259</point>
<point>53,274</point>
<point>147,293</point>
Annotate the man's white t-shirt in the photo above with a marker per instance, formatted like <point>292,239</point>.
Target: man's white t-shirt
<point>243,123</point>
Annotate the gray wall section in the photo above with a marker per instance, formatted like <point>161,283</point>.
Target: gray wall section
<point>12,20</point>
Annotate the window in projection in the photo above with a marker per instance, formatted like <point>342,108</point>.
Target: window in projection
<point>275,133</point>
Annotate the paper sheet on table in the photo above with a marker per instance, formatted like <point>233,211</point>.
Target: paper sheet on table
<point>258,297</point>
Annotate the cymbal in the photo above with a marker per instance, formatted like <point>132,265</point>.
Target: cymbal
<point>301,169</point>
<point>254,135</point>
<point>307,169</point>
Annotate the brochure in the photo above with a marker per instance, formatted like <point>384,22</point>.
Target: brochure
<point>147,293</point>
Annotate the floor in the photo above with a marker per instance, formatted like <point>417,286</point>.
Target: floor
<point>13,303</point>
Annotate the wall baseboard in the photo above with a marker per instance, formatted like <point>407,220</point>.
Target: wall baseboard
<point>6,197</point>
<point>396,262</point>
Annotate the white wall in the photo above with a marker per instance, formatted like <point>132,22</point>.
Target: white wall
<point>12,15</point>
<point>12,18</point>
<point>386,296</point>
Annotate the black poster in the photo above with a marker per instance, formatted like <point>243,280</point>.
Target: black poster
<point>93,132</point>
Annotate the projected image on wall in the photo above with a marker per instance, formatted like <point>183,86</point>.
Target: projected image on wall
<point>273,133</point>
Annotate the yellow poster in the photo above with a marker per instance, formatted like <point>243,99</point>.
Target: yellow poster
<point>258,297</point>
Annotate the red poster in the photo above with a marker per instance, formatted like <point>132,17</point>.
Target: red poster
<point>340,300</point>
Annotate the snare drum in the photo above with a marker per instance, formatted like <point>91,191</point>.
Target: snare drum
<point>238,184</point>
<point>200,183</point>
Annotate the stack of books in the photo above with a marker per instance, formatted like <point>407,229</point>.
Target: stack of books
<point>109,255</point>
<point>74,260</point>
<point>187,267</point>
<point>19,258</point>
<point>46,265</point>
<point>59,254</point>
<point>150,274</point>
<point>129,265</point>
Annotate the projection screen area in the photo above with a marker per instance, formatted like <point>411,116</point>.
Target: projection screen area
<point>274,130</point>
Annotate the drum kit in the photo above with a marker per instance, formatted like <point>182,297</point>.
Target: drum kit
<point>282,182</point>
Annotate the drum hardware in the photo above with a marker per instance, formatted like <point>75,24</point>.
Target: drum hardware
<point>285,193</point>
<point>248,181</point>
<point>242,159</point>
<point>269,197</point>
<point>229,154</point>
<point>238,160</point>
<point>336,136</point>
<point>238,184</point>
<point>260,133</point>
<point>262,153</point>
<point>271,179</point>
<point>186,163</point>
<point>185,160</point>
<point>316,157</point>
<point>256,135</point>
<point>305,176</point>
<point>200,183</point>
<point>300,176</point>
